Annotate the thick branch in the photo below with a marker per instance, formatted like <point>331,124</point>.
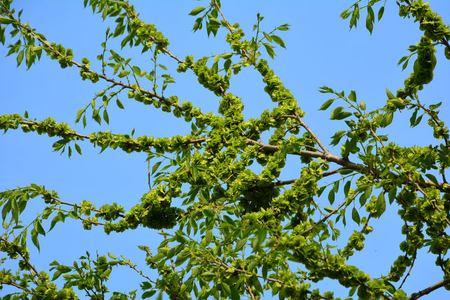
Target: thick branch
<point>429,289</point>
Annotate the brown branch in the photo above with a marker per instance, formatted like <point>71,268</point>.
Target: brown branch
<point>429,289</point>
<point>314,136</point>
<point>249,290</point>
<point>291,181</point>
<point>16,285</point>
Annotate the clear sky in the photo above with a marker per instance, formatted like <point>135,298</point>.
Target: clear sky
<point>320,51</point>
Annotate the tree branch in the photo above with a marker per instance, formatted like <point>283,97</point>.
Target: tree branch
<point>429,289</point>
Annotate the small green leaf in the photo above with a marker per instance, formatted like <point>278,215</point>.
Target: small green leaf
<point>19,57</point>
<point>34,239</point>
<point>370,19</point>
<point>156,166</point>
<point>197,10</point>
<point>355,216</point>
<point>389,94</point>
<point>326,90</point>
<point>283,27</point>
<point>339,114</point>
<point>381,204</point>
<point>148,294</point>
<point>80,113</point>
<point>326,104</point>
<point>352,96</point>
<point>5,20</point>
<point>78,148</point>
<point>119,104</point>
<point>278,40</point>
<point>380,13</point>
<point>337,137</point>
<point>56,275</point>
<point>269,49</point>
<point>38,227</point>
<point>106,116</point>
<point>331,196</point>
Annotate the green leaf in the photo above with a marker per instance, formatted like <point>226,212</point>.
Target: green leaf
<point>19,57</point>
<point>447,52</point>
<point>56,275</point>
<point>136,70</point>
<point>355,216</point>
<point>345,14</point>
<point>352,96</point>
<point>58,218</point>
<point>278,40</point>
<point>156,166</point>
<point>367,192</point>
<point>347,187</point>
<point>148,294</point>
<point>335,139</point>
<point>327,104</point>
<point>119,104</point>
<point>370,18</point>
<point>96,116</point>
<point>34,239</point>
<point>389,94</point>
<point>197,10</point>
<point>331,196</point>
<point>38,227</point>
<point>392,194</point>
<point>283,27</point>
<point>355,16</point>
<point>380,13</point>
<point>381,204</point>
<point>326,90</point>
<point>78,148</point>
<point>269,49</point>
<point>339,114</point>
<point>6,209</point>
<point>106,116</point>
<point>5,20</point>
<point>2,35</point>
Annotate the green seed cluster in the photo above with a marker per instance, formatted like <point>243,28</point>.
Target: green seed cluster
<point>154,211</point>
<point>235,39</point>
<point>59,53</point>
<point>423,68</point>
<point>141,144</point>
<point>86,73</point>
<point>431,23</point>
<point>209,78</point>
<point>109,212</point>
<point>48,126</point>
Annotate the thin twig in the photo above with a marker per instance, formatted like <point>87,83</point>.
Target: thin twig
<point>314,136</point>
<point>409,271</point>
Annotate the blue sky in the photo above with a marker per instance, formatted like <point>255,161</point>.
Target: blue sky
<point>320,51</point>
